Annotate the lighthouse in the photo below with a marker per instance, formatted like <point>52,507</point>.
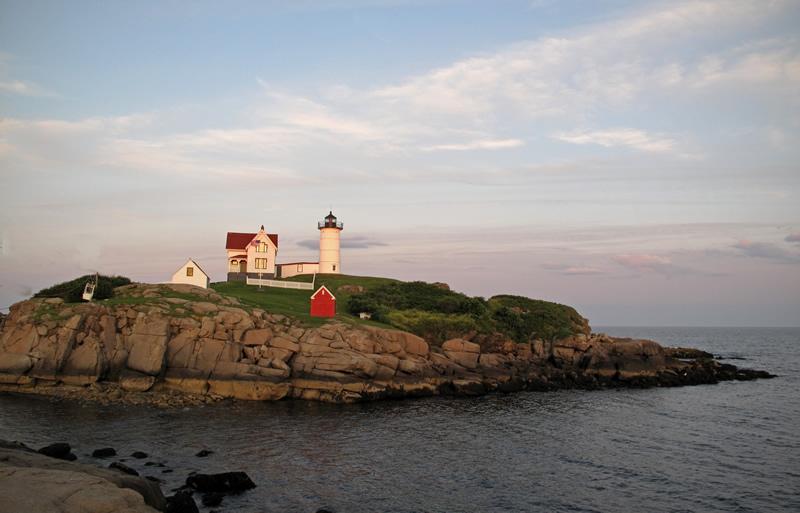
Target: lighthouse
<point>329,230</point>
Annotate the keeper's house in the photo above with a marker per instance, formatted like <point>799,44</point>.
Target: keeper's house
<point>251,254</point>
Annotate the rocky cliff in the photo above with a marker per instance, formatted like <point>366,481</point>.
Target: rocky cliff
<point>161,339</point>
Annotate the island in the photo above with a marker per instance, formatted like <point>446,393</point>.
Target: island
<point>178,344</point>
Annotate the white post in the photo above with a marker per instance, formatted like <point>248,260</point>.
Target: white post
<point>259,280</point>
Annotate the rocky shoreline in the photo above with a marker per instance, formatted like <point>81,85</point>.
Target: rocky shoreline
<point>50,479</point>
<point>161,348</point>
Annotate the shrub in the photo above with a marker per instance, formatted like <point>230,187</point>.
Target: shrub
<point>433,327</point>
<point>523,318</point>
<point>72,291</point>
<point>418,295</point>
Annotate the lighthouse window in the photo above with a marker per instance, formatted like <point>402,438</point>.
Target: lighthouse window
<point>299,268</point>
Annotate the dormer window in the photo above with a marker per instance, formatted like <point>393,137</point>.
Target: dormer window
<point>261,247</point>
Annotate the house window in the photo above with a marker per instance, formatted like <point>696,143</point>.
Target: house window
<point>190,271</point>
<point>261,247</point>
<point>334,267</point>
<point>234,265</point>
<point>261,263</point>
<point>299,268</point>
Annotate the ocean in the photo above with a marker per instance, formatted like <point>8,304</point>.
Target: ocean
<point>731,447</point>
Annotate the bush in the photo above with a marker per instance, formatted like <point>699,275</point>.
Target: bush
<point>433,327</point>
<point>418,295</point>
<point>72,291</point>
<point>523,318</point>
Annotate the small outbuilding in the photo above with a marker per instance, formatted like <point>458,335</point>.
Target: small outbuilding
<point>323,303</point>
<point>192,274</point>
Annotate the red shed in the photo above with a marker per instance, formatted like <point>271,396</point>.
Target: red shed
<point>323,303</point>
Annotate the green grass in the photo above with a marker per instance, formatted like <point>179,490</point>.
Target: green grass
<point>296,303</point>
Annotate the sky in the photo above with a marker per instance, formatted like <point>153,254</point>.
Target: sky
<point>637,160</point>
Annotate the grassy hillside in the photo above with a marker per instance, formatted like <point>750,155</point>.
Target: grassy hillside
<point>295,303</point>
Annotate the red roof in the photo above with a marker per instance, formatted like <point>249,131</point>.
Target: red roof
<point>295,263</point>
<point>238,256</point>
<point>238,240</point>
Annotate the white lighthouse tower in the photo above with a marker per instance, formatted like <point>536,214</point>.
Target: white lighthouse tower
<point>329,258</point>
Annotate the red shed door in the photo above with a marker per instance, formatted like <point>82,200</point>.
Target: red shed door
<point>323,304</point>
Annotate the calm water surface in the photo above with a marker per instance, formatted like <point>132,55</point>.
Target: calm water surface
<point>728,447</point>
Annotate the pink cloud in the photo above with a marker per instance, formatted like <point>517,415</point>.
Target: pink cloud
<point>643,261</point>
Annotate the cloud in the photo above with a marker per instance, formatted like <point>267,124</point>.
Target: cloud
<point>574,270</point>
<point>22,88</point>
<point>793,237</point>
<point>488,144</point>
<point>644,262</point>
<point>351,242</point>
<point>629,137</point>
<point>594,67</point>
<point>767,250</point>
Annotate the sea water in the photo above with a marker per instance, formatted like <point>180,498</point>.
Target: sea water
<point>729,447</point>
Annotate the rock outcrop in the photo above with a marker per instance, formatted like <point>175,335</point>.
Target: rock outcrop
<point>34,482</point>
<point>217,348</point>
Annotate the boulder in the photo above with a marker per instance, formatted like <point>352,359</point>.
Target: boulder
<point>351,289</point>
<point>181,502</point>
<point>284,343</point>
<point>15,363</point>
<point>257,337</point>
<point>148,342</point>
<point>464,359</point>
<point>225,482</point>
<point>133,381</point>
<point>86,359</point>
<point>105,452</point>
<point>461,345</point>
<point>60,450</point>
<point>181,347</point>
<point>46,490</point>
<point>19,338</point>
<point>123,468</point>
<point>212,499</point>
<point>52,352</point>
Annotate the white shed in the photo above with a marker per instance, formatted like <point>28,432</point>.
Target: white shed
<point>192,274</point>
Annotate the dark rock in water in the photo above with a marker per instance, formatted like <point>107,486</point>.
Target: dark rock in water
<point>168,471</point>
<point>181,502</point>
<point>123,468</point>
<point>105,452</point>
<point>226,482</point>
<point>154,464</point>
<point>323,510</point>
<point>204,453</point>
<point>139,455</point>
<point>154,479</point>
<point>212,498</point>
<point>60,450</point>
